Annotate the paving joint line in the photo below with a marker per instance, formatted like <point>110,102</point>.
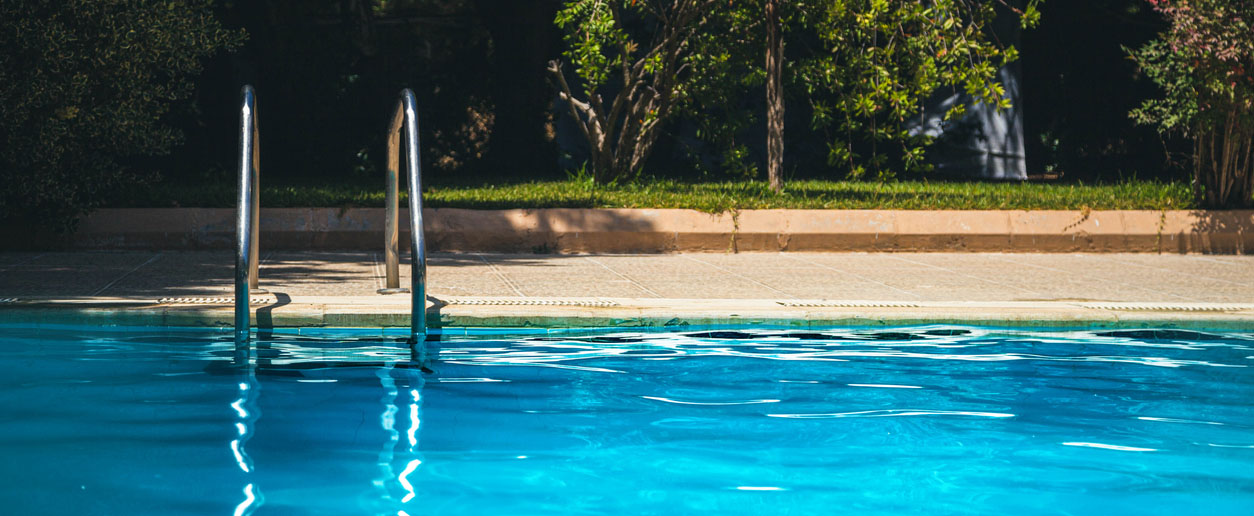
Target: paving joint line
<point>768,287</point>
<point>128,273</point>
<point>968,276</point>
<point>1091,277</point>
<point>629,280</point>
<point>1138,287</point>
<point>6,268</point>
<point>379,274</point>
<point>501,275</point>
<point>856,275</point>
<point>1215,260</point>
<point>1182,273</point>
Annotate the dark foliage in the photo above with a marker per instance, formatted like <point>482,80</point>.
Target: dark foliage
<point>86,86</point>
<point>1078,87</point>
<point>327,74</point>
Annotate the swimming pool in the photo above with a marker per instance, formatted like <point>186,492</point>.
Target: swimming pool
<point>935,419</point>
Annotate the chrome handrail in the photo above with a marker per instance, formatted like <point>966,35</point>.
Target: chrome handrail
<point>406,116</point>
<point>248,211</point>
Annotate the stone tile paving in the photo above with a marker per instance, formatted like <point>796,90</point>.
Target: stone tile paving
<point>902,277</point>
<point>72,274</point>
<point>184,274</point>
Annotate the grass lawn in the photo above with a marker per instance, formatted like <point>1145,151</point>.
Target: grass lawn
<point>710,197</point>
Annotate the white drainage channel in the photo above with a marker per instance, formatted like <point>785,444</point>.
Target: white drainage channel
<point>8,300</point>
<point>529,302</point>
<point>1168,307</point>
<point>210,301</point>
<point>845,304</point>
<point>1112,306</point>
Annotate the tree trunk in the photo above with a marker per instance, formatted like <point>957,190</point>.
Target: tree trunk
<point>774,98</point>
<point>1223,173</point>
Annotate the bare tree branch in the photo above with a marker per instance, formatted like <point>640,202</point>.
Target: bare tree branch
<point>582,112</point>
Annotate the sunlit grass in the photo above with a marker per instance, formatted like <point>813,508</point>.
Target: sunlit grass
<point>711,197</point>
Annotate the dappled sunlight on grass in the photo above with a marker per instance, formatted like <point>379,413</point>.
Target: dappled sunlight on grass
<point>710,197</point>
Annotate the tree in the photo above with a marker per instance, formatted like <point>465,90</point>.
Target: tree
<point>84,85</point>
<point>864,67</point>
<point>879,60</point>
<point>1203,63</point>
<point>638,54</point>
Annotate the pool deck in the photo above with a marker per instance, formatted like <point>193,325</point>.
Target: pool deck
<point>330,289</point>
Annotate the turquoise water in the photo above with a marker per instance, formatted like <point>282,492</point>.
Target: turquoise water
<point>936,420</point>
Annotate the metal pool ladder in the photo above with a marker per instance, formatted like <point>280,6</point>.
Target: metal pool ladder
<point>406,117</point>
<point>248,211</point>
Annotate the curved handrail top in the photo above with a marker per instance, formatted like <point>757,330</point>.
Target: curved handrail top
<point>249,95</point>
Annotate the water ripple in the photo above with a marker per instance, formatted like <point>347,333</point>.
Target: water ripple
<point>884,386</point>
<point>1109,447</point>
<point>1173,420</point>
<point>709,403</point>
<point>894,413</point>
<point>838,345</point>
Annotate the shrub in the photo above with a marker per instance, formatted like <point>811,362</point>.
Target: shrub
<point>633,61</point>
<point>84,86</point>
<point>864,67</point>
<point>1203,62</point>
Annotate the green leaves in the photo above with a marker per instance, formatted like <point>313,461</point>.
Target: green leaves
<point>597,45</point>
<point>1202,62</point>
<point>883,58</point>
<point>84,85</point>
<point>864,66</point>
<point>636,65</point>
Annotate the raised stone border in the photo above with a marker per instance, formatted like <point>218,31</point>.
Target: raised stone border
<point>662,231</point>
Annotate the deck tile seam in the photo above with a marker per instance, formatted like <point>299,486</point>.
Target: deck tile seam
<point>1097,277</point>
<point>956,273</point>
<point>124,275</point>
<point>625,277</point>
<point>377,269</point>
<point>1225,262</point>
<point>741,276</point>
<point>6,268</point>
<point>854,274</point>
<point>501,275</point>
<point>1181,273</point>
<point>1154,290</point>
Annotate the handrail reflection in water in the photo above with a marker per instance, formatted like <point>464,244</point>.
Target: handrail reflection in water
<point>392,393</point>
<point>247,412</point>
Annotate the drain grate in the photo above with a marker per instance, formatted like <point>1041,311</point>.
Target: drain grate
<point>8,299</point>
<point>846,304</point>
<point>530,302</point>
<point>210,300</point>
<point>1166,307</point>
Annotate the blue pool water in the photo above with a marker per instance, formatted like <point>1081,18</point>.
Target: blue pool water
<point>936,420</point>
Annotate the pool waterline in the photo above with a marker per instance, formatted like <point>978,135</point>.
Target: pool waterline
<point>596,313</point>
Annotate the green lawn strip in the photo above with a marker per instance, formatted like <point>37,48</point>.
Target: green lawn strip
<point>709,197</point>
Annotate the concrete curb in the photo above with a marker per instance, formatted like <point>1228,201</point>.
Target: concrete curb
<point>391,312</point>
<point>661,231</point>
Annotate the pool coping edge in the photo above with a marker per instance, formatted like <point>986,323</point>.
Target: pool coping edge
<point>366,312</point>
